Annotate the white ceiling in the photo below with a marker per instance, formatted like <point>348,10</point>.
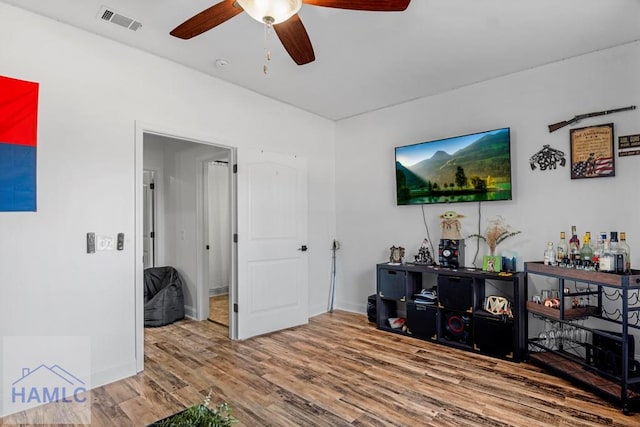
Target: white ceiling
<point>368,60</point>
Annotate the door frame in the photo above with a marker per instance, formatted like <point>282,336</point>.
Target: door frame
<point>153,216</point>
<point>141,129</point>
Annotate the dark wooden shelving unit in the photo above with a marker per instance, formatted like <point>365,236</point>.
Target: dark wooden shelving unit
<point>457,319</point>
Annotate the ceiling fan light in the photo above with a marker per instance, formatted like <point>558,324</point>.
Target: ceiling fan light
<point>271,11</point>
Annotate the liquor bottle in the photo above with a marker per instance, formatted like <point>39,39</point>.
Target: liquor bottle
<point>562,250</point>
<point>597,251</point>
<point>550,255</point>
<point>624,246</point>
<point>574,237</point>
<point>586,253</point>
<point>574,247</point>
<point>607,261</point>
<point>618,255</point>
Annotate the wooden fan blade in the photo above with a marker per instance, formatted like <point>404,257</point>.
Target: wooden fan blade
<point>207,19</point>
<point>295,40</point>
<point>370,5</point>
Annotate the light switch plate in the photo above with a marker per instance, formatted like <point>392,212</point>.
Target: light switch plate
<point>91,243</point>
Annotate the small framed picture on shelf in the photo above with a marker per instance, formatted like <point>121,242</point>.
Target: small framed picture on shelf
<point>592,154</point>
<point>492,263</point>
<point>396,255</point>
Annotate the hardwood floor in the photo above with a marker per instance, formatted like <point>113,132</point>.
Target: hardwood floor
<point>340,371</point>
<point>219,309</point>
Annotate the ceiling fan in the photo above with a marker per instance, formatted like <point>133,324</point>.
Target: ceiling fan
<point>282,15</point>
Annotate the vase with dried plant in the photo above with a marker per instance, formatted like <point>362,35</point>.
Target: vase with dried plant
<point>497,231</point>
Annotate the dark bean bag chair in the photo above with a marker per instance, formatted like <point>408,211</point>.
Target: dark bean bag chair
<point>163,297</point>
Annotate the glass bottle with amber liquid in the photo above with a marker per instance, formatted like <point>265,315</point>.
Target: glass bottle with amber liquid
<point>562,250</point>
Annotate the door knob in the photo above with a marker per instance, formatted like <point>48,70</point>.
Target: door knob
<point>303,248</point>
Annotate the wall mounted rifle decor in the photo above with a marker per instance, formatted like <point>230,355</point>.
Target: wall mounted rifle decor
<point>547,158</point>
<point>579,117</point>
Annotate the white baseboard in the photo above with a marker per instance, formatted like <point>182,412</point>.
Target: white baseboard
<point>218,291</point>
<point>353,308</point>
<point>190,312</point>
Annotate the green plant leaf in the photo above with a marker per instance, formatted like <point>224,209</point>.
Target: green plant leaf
<point>201,416</point>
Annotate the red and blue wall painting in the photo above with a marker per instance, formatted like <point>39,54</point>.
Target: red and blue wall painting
<point>18,144</point>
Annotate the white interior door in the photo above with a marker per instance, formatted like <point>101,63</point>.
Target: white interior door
<point>272,231</point>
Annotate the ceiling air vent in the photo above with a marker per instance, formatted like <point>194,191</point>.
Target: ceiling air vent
<point>109,15</point>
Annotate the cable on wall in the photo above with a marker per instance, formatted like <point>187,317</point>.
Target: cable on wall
<point>424,219</point>
<point>475,256</point>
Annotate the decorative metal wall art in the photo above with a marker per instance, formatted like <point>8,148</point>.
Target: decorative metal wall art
<point>547,158</point>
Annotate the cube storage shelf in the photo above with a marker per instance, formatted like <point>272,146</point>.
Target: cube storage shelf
<point>457,318</point>
<point>593,358</point>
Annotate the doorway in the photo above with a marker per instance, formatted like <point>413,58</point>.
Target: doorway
<point>176,212</point>
<point>191,202</point>
<point>272,292</point>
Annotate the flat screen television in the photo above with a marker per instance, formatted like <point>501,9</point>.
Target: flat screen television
<point>466,168</point>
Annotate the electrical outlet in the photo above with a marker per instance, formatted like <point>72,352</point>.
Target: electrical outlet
<point>105,243</point>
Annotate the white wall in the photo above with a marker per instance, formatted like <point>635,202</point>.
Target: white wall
<point>545,203</point>
<point>92,92</point>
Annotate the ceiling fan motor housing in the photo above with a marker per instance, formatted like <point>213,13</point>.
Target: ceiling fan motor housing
<point>271,12</point>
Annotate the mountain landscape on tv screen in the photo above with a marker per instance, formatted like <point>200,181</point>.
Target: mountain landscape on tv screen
<point>480,171</point>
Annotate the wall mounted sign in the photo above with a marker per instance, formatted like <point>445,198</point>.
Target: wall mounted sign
<point>628,141</point>
<point>592,154</point>
<point>628,153</point>
<point>18,142</point>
